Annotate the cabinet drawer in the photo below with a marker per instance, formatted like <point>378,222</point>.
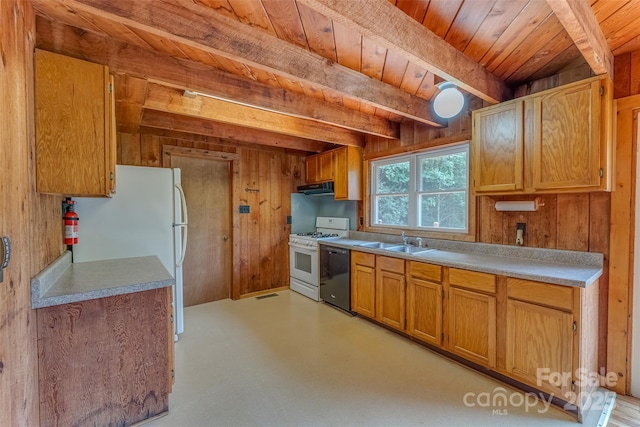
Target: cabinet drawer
<point>395,265</point>
<point>422,270</point>
<point>362,258</point>
<point>473,280</point>
<point>541,293</point>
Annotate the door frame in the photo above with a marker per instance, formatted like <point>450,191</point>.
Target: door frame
<point>234,183</point>
<point>622,258</point>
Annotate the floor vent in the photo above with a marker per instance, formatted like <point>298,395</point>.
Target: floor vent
<point>267,296</point>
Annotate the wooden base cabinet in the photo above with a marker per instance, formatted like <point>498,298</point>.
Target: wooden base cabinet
<point>472,326</point>
<point>472,316</point>
<point>390,291</point>
<point>552,337</point>
<point>106,361</point>
<point>547,336</point>
<point>363,283</point>
<point>424,302</point>
<point>539,346</point>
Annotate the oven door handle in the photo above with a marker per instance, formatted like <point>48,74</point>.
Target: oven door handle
<point>309,249</point>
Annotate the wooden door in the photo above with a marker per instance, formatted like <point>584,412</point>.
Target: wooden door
<point>472,326</point>
<point>539,338</point>
<point>207,263</point>
<point>497,148</point>
<point>363,284</point>
<point>390,291</point>
<point>566,138</point>
<point>424,310</point>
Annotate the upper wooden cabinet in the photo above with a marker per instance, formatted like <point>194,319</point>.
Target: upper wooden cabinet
<point>319,167</point>
<point>559,140</point>
<point>498,148</point>
<point>347,176</point>
<point>343,166</point>
<point>75,135</point>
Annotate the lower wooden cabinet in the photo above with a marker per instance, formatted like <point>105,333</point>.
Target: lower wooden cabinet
<point>363,283</point>
<point>539,346</point>
<point>546,337</point>
<point>390,291</point>
<point>472,326</point>
<point>424,302</point>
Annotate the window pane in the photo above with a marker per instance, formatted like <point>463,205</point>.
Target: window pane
<point>444,210</point>
<point>392,210</point>
<point>393,178</point>
<point>448,172</point>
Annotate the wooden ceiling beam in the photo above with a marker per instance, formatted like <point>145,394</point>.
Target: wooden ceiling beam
<point>194,138</point>
<point>196,126</point>
<point>170,100</point>
<point>203,28</point>
<point>386,25</point>
<point>576,16</point>
<point>132,60</point>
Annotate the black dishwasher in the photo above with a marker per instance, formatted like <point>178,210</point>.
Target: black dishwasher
<point>335,287</point>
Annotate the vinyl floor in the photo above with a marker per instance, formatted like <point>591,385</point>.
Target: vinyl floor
<point>289,361</point>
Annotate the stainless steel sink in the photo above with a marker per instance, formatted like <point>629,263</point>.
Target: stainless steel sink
<point>378,245</point>
<point>407,249</point>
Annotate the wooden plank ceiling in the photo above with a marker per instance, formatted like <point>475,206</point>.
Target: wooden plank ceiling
<point>323,73</point>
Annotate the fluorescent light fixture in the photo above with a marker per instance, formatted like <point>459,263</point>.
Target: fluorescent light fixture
<point>518,205</point>
<point>449,101</point>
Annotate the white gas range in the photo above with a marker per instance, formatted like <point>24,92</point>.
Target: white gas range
<point>304,253</point>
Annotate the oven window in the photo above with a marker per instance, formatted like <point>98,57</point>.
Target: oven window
<point>303,262</point>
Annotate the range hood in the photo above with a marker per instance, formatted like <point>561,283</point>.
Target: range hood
<point>320,189</point>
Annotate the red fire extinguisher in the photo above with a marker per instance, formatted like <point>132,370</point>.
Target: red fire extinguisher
<point>70,224</point>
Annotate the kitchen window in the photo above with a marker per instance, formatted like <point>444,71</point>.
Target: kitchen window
<point>425,191</point>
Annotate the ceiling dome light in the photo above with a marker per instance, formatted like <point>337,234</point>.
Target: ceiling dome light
<point>449,101</point>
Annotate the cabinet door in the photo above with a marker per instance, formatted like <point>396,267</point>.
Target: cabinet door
<point>74,149</point>
<point>311,169</point>
<point>424,310</point>
<point>390,298</point>
<point>347,177</point>
<point>363,284</point>
<point>325,167</point>
<point>539,345</point>
<point>497,148</point>
<point>472,326</point>
<point>566,138</point>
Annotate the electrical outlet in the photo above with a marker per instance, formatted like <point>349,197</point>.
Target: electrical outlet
<point>521,228</point>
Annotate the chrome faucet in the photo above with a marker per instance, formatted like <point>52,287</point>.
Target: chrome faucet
<point>419,242</point>
<point>405,240</point>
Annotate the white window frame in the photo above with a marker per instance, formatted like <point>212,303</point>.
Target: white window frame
<point>414,160</point>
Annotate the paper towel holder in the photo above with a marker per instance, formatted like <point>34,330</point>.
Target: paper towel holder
<point>518,205</point>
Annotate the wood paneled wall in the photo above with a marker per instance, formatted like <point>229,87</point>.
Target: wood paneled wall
<point>626,75</point>
<point>264,232</point>
<point>18,354</point>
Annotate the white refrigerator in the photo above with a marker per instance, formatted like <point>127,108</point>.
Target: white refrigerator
<point>146,216</point>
